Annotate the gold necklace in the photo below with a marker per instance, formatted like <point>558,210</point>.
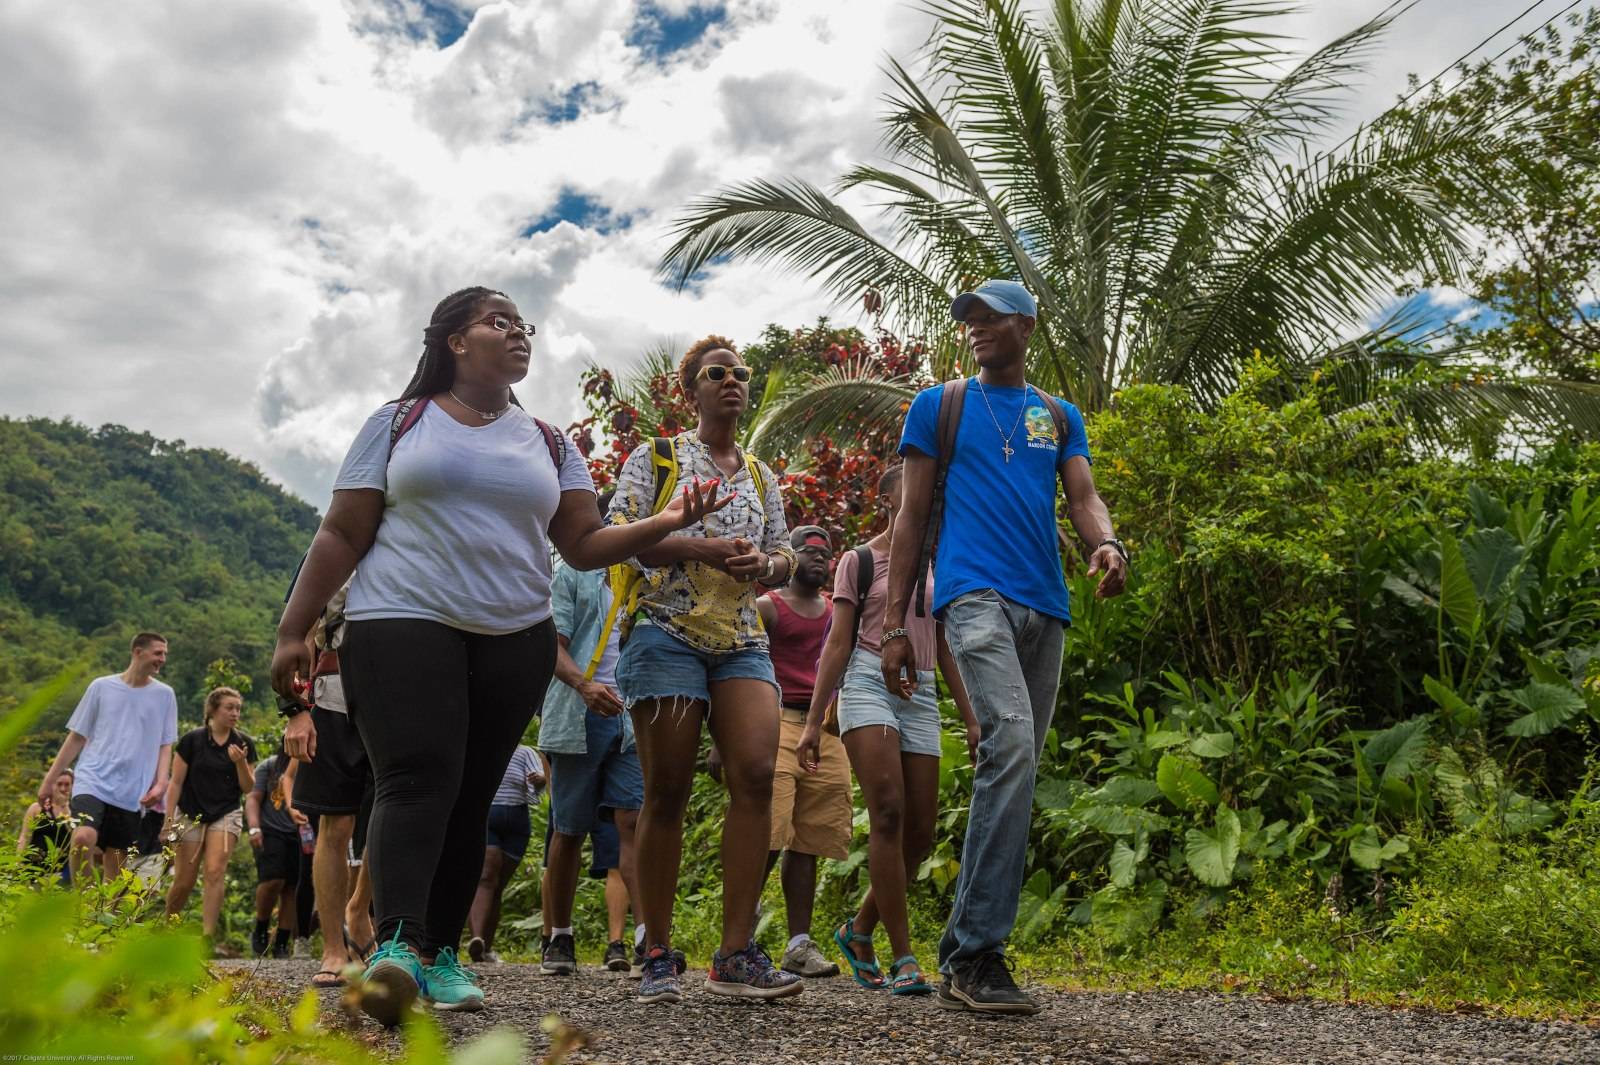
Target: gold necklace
<point>1005,438</point>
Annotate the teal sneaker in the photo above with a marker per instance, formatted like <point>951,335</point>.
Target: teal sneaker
<point>392,981</point>
<point>448,986</point>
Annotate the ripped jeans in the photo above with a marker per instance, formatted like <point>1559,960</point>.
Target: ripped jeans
<point>1010,659</point>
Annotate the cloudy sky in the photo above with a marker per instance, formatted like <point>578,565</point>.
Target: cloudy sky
<point>228,222</point>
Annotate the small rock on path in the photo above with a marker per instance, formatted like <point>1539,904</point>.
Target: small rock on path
<point>835,1021</point>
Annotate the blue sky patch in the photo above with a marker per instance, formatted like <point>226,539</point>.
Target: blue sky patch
<point>571,104</point>
<point>582,210</point>
<point>660,35</point>
<point>442,22</point>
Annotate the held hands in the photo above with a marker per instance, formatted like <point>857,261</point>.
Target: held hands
<point>255,840</point>
<point>300,737</point>
<point>692,504</point>
<point>1107,560</point>
<point>599,698</point>
<point>153,796</point>
<point>748,563</point>
<point>809,749</point>
<point>899,667</point>
<point>291,660</point>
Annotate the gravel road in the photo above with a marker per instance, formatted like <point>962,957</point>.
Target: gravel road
<point>833,1021</point>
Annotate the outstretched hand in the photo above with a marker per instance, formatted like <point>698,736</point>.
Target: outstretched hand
<point>694,503</point>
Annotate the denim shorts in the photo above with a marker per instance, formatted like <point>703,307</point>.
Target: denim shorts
<point>657,665</point>
<point>605,778</point>
<point>509,828</point>
<point>865,700</point>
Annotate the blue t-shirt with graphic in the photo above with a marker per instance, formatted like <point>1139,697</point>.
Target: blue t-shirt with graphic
<point>999,527</point>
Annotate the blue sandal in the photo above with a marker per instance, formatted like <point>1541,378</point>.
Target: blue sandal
<point>907,983</point>
<point>866,973</point>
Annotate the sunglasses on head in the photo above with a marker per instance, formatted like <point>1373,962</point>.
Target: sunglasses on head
<point>716,373</point>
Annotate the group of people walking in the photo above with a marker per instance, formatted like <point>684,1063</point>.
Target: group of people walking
<point>683,602</point>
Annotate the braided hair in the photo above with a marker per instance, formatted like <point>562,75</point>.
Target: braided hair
<point>436,369</point>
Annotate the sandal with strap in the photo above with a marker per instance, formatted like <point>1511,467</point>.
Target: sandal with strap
<point>866,973</point>
<point>908,983</point>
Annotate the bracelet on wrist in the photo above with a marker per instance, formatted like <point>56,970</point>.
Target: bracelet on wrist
<point>894,634</point>
<point>1117,545</point>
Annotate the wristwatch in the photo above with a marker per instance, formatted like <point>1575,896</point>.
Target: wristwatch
<point>254,831</point>
<point>289,706</point>
<point>1122,548</point>
<point>772,567</point>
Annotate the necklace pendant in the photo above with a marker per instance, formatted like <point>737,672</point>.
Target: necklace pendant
<point>1009,452</point>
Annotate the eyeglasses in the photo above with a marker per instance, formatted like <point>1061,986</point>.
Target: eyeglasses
<point>506,325</point>
<point>716,373</point>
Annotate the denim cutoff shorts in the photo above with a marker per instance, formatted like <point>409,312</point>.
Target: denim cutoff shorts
<point>657,665</point>
<point>865,700</point>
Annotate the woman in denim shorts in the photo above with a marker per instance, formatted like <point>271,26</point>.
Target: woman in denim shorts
<point>894,746</point>
<point>699,654</point>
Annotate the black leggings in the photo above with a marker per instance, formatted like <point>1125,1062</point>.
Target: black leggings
<point>440,713</point>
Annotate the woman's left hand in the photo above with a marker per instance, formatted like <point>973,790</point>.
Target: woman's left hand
<point>694,503</point>
<point>749,565</point>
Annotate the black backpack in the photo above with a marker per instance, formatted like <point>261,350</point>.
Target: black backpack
<point>952,397</point>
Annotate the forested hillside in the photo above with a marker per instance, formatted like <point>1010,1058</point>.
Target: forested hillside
<point>107,531</point>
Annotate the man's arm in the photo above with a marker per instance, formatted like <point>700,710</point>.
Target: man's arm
<point>71,747</point>
<point>1092,522</point>
<point>768,612</point>
<point>596,696</point>
<point>159,784</point>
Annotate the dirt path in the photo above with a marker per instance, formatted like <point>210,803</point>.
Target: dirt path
<point>833,1021</point>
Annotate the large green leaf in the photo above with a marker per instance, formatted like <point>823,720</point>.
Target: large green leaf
<point>1369,852</point>
<point>1212,744</point>
<point>1184,783</point>
<point>1457,709</point>
<point>1548,706</point>
<point>1398,750</point>
<point>1212,853</point>
<point>1457,594</point>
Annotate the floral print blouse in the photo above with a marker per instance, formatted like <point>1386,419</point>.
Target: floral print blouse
<point>700,604</point>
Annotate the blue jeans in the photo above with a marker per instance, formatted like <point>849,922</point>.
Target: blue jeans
<point>1010,659</point>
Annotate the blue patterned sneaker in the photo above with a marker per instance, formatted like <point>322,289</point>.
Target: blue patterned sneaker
<point>392,981</point>
<point>749,973</point>
<point>448,986</point>
<point>659,982</point>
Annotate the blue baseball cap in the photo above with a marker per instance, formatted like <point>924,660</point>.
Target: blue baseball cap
<point>1003,297</point>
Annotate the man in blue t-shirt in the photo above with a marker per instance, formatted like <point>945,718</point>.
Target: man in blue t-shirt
<point>1000,593</point>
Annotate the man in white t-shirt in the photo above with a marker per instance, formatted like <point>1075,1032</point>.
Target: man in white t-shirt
<point>121,735</point>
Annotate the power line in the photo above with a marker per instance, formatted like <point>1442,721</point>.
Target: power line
<point>1461,59</point>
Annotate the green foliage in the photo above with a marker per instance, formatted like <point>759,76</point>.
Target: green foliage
<point>105,532</point>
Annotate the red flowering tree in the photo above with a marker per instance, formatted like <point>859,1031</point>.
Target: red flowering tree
<point>826,481</point>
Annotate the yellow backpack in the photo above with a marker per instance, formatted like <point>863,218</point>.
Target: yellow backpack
<point>626,579</point>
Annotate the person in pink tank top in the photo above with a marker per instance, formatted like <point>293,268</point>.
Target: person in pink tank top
<point>811,811</point>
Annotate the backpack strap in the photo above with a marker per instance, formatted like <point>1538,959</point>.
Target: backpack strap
<point>554,442</point>
<point>624,579</point>
<point>952,398</point>
<point>406,415</point>
<point>753,464</point>
<point>864,575</point>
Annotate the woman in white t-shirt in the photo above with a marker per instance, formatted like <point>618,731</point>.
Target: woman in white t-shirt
<point>445,510</point>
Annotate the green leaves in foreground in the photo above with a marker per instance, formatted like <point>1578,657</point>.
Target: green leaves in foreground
<point>1184,783</point>
<point>1212,853</point>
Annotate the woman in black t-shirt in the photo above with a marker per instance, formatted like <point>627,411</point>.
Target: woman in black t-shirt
<point>211,772</point>
<point>47,831</point>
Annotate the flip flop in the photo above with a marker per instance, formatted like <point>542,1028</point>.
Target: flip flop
<point>361,954</point>
<point>865,973</point>
<point>320,984</point>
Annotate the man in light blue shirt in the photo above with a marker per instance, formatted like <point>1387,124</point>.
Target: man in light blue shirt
<point>594,765</point>
<point>121,735</point>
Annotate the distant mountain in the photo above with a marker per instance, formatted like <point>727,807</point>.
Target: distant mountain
<point>104,532</point>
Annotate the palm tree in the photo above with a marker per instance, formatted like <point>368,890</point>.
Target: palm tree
<point>1149,171</point>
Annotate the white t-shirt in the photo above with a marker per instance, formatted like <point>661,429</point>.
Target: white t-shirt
<point>126,727</point>
<point>463,540</point>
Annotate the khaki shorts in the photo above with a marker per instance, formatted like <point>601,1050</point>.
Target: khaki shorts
<point>811,812</point>
<point>193,830</point>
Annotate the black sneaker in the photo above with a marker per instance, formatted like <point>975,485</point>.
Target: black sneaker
<point>260,939</point>
<point>985,985</point>
<point>560,957</point>
<point>616,957</point>
<point>476,949</point>
<point>280,947</point>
